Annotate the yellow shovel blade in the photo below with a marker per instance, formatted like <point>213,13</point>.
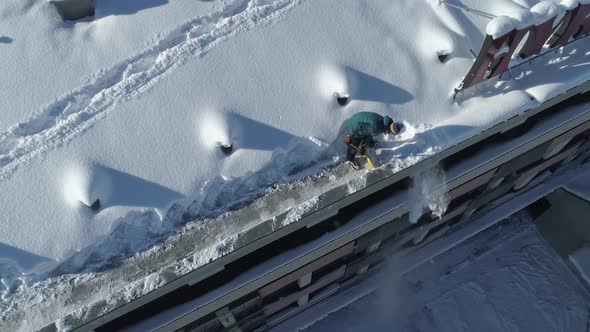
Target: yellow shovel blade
<point>369,161</point>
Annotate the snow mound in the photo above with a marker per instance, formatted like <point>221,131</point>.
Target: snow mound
<point>213,129</point>
<point>331,80</point>
<point>519,18</point>
<point>570,4</point>
<point>500,26</point>
<point>85,182</point>
<point>545,10</point>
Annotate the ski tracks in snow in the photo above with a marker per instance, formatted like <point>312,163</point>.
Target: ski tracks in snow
<point>75,112</point>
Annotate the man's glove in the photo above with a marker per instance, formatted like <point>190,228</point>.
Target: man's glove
<point>361,149</point>
<point>347,139</point>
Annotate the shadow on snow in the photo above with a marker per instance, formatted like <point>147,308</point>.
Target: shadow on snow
<point>6,40</point>
<point>370,88</point>
<point>130,190</point>
<point>250,134</point>
<point>24,260</point>
<point>106,8</point>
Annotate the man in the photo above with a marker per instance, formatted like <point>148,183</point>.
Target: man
<point>362,127</point>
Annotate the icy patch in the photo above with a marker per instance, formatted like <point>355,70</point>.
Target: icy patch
<point>223,245</point>
<point>63,326</point>
<point>357,184</point>
<point>429,191</point>
<point>299,211</point>
<point>151,282</point>
<point>209,254</point>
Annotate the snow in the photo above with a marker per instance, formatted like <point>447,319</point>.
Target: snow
<point>519,16</point>
<point>545,10</point>
<point>46,58</point>
<point>569,4</point>
<point>129,107</point>
<point>87,183</point>
<point>499,26</point>
<point>299,211</point>
<point>429,191</point>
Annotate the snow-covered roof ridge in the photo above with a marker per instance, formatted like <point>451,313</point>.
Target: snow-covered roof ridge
<point>500,25</point>
<point>545,10</point>
<point>519,19</point>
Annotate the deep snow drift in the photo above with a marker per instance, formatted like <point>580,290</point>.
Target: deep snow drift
<point>134,113</point>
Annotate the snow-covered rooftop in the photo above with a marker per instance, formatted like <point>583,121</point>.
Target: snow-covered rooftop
<point>128,106</point>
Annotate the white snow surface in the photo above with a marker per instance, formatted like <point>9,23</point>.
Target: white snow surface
<point>522,15</point>
<point>129,107</point>
<point>545,10</point>
<point>500,26</point>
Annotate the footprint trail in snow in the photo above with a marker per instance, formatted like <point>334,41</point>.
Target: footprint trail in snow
<point>78,110</point>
